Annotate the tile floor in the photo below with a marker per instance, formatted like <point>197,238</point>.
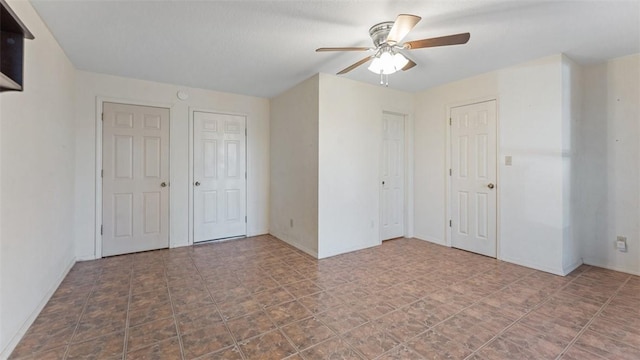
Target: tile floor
<point>261,298</point>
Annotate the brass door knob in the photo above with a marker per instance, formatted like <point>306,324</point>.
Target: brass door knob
<point>163,184</point>
<point>491,186</point>
<point>197,183</point>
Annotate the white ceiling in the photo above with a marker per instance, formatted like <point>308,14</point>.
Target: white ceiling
<point>262,48</point>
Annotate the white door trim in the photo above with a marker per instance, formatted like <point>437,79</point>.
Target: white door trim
<point>100,100</point>
<point>447,193</point>
<point>191,127</point>
<point>408,174</point>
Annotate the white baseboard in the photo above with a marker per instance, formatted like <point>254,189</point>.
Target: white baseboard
<point>348,250</point>
<point>258,232</point>
<point>34,314</point>
<point>86,257</point>
<point>604,264</point>
<point>532,265</point>
<point>568,269</point>
<point>298,246</point>
<point>431,240</point>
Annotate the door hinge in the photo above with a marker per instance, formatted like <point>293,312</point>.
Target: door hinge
<point>245,218</point>
<point>449,223</point>
<point>245,131</point>
<point>102,116</point>
<point>450,122</point>
<point>101,229</point>
<point>245,175</point>
<point>450,172</point>
<point>102,173</point>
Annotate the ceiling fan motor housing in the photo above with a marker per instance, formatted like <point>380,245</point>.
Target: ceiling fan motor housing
<point>387,38</point>
<point>380,31</point>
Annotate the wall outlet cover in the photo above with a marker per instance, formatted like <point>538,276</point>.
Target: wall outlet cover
<point>621,243</point>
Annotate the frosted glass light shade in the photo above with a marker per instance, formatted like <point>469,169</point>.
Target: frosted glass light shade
<point>388,63</point>
<point>399,61</point>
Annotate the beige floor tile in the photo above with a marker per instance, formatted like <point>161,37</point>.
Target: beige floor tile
<point>168,349</point>
<point>261,298</point>
<point>272,345</point>
<point>606,347</point>
<point>251,325</point>
<point>206,340</point>
<point>149,333</point>
<point>307,332</point>
<point>104,347</point>
<point>334,348</point>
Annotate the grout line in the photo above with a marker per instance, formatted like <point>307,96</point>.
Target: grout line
<point>546,300</point>
<point>173,311</point>
<point>586,326</point>
<point>236,345</point>
<point>359,269</point>
<point>429,328</point>
<point>473,352</point>
<point>84,308</point>
<point>126,323</point>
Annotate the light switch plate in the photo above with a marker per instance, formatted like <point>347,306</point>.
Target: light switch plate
<point>507,160</point>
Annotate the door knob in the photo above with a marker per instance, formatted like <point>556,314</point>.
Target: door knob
<point>490,186</point>
<point>163,184</point>
<point>197,183</point>
<point>383,183</point>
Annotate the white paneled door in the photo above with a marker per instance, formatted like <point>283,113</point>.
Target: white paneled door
<point>473,177</point>
<point>219,175</point>
<point>392,177</point>
<point>135,179</point>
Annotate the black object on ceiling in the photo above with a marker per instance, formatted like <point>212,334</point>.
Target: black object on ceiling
<point>12,35</point>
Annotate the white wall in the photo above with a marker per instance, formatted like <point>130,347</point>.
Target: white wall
<point>350,135</point>
<point>572,87</point>
<point>89,86</point>
<point>37,162</point>
<point>610,163</point>
<point>431,121</point>
<point>294,166</point>
<point>532,223</point>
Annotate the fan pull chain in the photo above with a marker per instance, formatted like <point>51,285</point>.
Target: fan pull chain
<point>384,79</point>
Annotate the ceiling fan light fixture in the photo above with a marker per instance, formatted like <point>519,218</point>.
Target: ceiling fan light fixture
<point>387,39</point>
<point>399,61</point>
<point>388,63</point>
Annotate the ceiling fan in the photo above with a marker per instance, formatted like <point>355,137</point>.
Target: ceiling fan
<point>387,54</point>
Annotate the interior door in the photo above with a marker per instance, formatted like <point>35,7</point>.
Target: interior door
<point>219,173</point>
<point>392,177</point>
<point>135,179</point>
<point>473,177</point>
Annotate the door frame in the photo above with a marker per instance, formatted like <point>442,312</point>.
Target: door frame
<point>408,173</point>
<point>192,110</point>
<point>447,192</point>
<point>100,100</point>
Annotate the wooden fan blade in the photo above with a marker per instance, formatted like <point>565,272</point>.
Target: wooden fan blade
<point>346,70</point>
<point>409,65</point>
<point>342,49</point>
<point>401,27</point>
<point>439,41</point>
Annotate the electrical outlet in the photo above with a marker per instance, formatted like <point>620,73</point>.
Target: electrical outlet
<point>621,243</point>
